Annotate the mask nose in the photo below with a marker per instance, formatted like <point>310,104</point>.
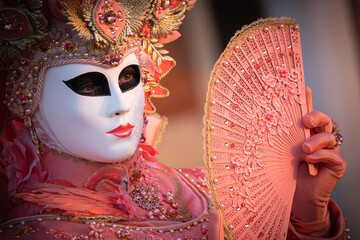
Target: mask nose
<point>118,104</point>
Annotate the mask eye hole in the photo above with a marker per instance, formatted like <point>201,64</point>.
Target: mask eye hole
<point>89,84</point>
<point>129,78</point>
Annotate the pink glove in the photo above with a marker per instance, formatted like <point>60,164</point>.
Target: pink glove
<point>309,213</point>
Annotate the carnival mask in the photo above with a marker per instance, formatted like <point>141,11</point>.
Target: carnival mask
<point>95,113</point>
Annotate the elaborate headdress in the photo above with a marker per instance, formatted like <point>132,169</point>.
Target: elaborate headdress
<point>36,35</point>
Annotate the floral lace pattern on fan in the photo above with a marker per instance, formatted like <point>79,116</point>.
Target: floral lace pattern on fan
<point>267,120</point>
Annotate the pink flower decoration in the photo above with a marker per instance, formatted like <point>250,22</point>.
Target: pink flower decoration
<point>269,80</point>
<point>270,117</point>
<point>23,164</point>
<point>261,101</point>
<point>239,160</point>
<point>282,73</point>
<point>96,230</point>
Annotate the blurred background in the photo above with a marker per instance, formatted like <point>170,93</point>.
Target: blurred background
<point>330,35</point>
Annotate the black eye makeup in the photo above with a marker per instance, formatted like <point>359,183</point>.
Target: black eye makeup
<point>89,84</point>
<point>96,83</point>
<point>129,78</point>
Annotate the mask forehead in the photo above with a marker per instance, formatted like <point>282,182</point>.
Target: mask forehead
<point>69,71</point>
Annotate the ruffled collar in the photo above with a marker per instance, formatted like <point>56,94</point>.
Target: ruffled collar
<point>129,190</point>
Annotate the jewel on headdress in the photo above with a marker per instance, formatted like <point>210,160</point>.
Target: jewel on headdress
<point>69,46</point>
<point>43,47</point>
<point>106,59</point>
<point>167,3</point>
<point>9,26</point>
<point>115,60</point>
<point>110,17</point>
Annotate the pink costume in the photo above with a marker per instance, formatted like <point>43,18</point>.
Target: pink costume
<point>49,192</point>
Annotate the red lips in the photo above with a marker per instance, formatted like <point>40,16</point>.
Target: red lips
<point>122,131</point>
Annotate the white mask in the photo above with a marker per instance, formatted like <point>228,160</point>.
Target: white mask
<point>85,120</point>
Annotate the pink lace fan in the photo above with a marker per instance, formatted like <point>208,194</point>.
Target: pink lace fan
<point>254,131</point>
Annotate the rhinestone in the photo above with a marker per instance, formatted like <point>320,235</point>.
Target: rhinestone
<point>216,180</point>
<point>110,17</point>
<point>9,26</point>
<point>69,46</point>
<point>115,60</point>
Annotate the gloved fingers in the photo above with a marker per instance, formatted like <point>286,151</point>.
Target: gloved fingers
<point>319,141</point>
<point>330,159</point>
<point>309,105</point>
<point>318,121</point>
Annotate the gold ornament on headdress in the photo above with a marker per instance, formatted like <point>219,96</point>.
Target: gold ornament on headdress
<point>21,26</point>
<point>84,18</point>
<point>100,32</point>
<point>168,21</point>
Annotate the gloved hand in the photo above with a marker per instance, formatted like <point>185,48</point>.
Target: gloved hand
<point>309,212</point>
